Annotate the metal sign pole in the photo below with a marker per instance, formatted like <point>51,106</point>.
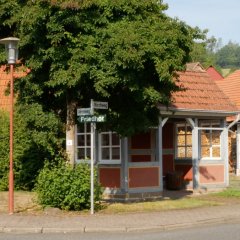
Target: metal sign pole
<point>92,160</point>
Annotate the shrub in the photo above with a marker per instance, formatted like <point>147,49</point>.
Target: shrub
<point>38,136</point>
<point>65,187</point>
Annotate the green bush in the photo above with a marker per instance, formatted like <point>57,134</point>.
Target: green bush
<point>38,136</point>
<point>66,188</point>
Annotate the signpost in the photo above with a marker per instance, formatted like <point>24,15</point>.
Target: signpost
<point>83,111</point>
<point>86,115</point>
<point>100,105</point>
<point>92,118</point>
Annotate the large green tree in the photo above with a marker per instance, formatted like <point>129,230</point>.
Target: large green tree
<point>120,51</point>
<point>229,56</point>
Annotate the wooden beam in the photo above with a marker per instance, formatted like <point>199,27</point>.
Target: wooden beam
<point>164,121</point>
<point>191,122</point>
<point>195,153</point>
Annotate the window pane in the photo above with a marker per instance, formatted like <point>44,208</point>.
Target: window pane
<point>88,138</point>
<point>181,140</point>
<point>84,153</point>
<point>189,130</point>
<point>88,153</point>
<point>80,140</point>
<point>81,153</point>
<point>181,130</point>
<point>181,152</point>
<point>216,137</point>
<point>189,139</point>
<point>205,152</point>
<point>189,152</point>
<point>115,139</point>
<point>205,138</point>
<point>105,153</point>
<point>216,151</point>
<point>80,128</point>
<point>105,139</point>
<point>116,153</point>
<point>88,127</point>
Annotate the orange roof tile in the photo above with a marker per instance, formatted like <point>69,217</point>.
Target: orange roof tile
<point>214,74</point>
<point>231,87</point>
<point>4,82</point>
<point>201,94</point>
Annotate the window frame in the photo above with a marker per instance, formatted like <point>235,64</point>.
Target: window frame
<point>110,146</point>
<point>85,146</point>
<point>185,146</point>
<point>211,127</point>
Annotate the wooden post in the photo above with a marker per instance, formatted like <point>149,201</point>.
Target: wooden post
<point>195,155</point>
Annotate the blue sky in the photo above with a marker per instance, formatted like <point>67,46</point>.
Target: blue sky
<point>220,17</point>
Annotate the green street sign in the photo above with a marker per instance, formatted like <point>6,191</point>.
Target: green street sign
<point>92,118</point>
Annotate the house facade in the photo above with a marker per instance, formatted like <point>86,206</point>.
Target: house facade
<point>191,139</point>
<point>231,87</point>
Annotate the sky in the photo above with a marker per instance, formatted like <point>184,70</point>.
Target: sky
<point>220,17</point>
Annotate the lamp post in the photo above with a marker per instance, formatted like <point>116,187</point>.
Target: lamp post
<point>12,52</point>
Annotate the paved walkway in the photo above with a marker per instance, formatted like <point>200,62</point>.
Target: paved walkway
<point>164,220</point>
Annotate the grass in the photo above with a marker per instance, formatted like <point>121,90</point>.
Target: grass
<point>161,205</point>
<point>233,191</point>
<point>23,202</point>
<point>230,193</point>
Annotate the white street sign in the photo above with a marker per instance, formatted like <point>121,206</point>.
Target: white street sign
<point>92,118</point>
<point>100,105</point>
<point>83,111</point>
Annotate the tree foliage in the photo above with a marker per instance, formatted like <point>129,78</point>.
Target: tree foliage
<point>124,52</point>
<point>229,56</point>
<point>4,150</point>
<point>35,140</point>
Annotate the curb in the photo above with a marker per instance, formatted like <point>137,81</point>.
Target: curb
<point>21,230</point>
<point>63,230</point>
<point>46,230</point>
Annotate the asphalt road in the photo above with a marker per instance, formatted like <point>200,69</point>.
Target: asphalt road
<point>213,232</point>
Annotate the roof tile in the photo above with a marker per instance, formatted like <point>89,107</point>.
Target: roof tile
<point>4,82</point>
<point>200,94</point>
<point>231,87</point>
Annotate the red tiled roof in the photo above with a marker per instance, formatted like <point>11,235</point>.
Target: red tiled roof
<point>231,87</point>
<point>201,94</point>
<point>4,82</point>
<point>214,74</point>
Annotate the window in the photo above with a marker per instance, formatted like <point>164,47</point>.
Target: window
<point>210,141</point>
<point>83,142</point>
<point>109,150</point>
<point>183,141</point>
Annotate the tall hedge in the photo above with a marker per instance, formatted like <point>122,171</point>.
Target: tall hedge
<point>38,136</point>
<point>4,150</point>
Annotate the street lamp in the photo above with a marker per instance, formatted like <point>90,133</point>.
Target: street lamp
<point>12,53</point>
